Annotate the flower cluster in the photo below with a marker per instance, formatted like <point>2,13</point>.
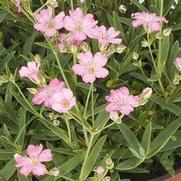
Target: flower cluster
<point>55,96</point>
<point>79,26</point>
<point>33,162</point>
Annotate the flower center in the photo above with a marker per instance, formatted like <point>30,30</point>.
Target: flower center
<point>50,25</point>
<point>65,103</point>
<point>78,27</point>
<point>91,69</point>
<point>35,161</point>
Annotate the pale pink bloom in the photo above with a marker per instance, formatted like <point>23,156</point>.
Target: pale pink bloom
<point>31,71</point>
<point>81,25</point>
<point>32,163</point>
<point>148,20</point>
<point>178,63</point>
<point>48,24</point>
<point>82,1</point>
<point>91,67</point>
<point>107,36</point>
<point>63,101</point>
<point>18,6</point>
<point>45,94</point>
<point>119,101</point>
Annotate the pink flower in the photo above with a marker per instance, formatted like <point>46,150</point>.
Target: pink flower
<point>148,20</point>
<point>79,24</point>
<point>33,162</point>
<point>82,1</point>
<point>119,101</point>
<point>18,6</point>
<point>90,68</point>
<point>63,101</point>
<point>178,63</point>
<point>105,37</point>
<point>45,94</point>
<point>48,24</point>
<point>31,71</point>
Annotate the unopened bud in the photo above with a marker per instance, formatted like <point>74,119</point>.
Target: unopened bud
<point>144,43</point>
<point>109,163</point>
<point>145,95</point>
<point>135,55</point>
<point>54,3</point>
<point>107,178</point>
<point>16,155</point>
<point>56,122</point>
<point>54,171</point>
<point>120,48</point>
<point>32,90</point>
<point>122,8</point>
<point>3,79</point>
<point>167,31</point>
<point>99,170</point>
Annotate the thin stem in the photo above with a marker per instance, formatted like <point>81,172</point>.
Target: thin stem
<point>92,103</point>
<point>86,157</point>
<point>87,101</point>
<point>72,4</point>
<point>74,62</point>
<point>68,129</point>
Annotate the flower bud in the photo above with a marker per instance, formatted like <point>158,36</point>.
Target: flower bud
<point>144,43</point>
<point>122,8</point>
<point>109,163</point>
<point>120,48</point>
<point>3,79</point>
<point>32,90</point>
<point>167,31</point>
<point>107,178</point>
<point>56,122</point>
<point>54,3</point>
<point>99,170</point>
<point>145,95</point>
<point>135,55</point>
<point>54,171</point>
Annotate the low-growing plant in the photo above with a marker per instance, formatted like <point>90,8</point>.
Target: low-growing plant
<point>90,89</point>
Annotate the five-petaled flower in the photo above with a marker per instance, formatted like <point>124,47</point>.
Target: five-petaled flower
<point>91,67</point>
<point>81,25</point>
<point>48,24</point>
<point>150,21</point>
<point>33,162</point>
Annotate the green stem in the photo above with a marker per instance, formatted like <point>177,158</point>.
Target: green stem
<point>68,129</point>
<point>87,101</point>
<point>86,157</point>
<point>74,62</point>
<point>72,4</point>
<point>92,103</point>
<point>58,62</point>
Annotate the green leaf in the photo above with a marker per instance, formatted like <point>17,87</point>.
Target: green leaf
<point>166,105</point>
<point>147,137</point>
<point>101,120</point>
<point>94,154</point>
<point>163,137</point>
<point>139,6</point>
<point>129,164</point>
<point>174,143</point>
<point>130,138</point>
<point>8,170</point>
